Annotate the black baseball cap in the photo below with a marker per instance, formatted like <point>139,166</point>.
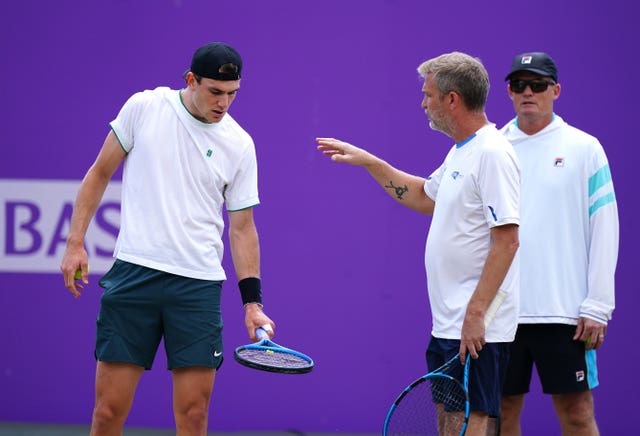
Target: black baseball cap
<point>209,59</point>
<point>535,62</point>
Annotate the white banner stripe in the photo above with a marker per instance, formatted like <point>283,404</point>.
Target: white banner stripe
<point>35,221</point>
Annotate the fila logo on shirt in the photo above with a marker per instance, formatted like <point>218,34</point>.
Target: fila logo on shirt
<point>559,162</point>
<point>579,376</point>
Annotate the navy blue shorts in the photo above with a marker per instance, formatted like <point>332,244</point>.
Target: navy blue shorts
<point>563,365</point>
<point>140,306</point>
<point>486,373</point>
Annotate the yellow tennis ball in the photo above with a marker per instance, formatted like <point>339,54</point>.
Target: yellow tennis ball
<point>269,352</point>
<point>588,341</point>
<point>78,275</point>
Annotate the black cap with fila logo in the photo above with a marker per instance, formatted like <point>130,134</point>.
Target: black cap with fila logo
<point>535,62</point>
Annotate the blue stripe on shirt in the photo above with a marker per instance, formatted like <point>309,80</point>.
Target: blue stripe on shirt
<point>599,179</point>
<point>602,201</point>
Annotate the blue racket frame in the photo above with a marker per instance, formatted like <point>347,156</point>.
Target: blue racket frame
<point>437,373</point>
<point>497,301</point>
<point>265,344</point>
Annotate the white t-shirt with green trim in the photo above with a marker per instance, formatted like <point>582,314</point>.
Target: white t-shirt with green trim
<point>178,173</point>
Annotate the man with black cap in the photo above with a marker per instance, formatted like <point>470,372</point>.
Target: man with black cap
<point>184,159</point>
<point>568,249</point>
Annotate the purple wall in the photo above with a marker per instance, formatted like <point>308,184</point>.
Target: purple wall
<point>342,265</point>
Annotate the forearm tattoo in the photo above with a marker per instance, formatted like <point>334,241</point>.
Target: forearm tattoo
<point>399,190</point>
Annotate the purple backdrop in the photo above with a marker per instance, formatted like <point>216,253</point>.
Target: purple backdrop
<point>342,264</point>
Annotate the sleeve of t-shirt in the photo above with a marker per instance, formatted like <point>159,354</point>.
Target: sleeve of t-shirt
<point>242,191</point>
<point>126,123</point>
<point>603,240</point>
<point>499,186</point>
<point>432,184</point>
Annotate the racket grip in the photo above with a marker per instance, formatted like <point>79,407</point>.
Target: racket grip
<point>261,333</point>
<point>493,307</point>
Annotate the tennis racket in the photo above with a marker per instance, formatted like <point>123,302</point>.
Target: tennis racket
<point>413,412</point>
<point>266,355</point>
<point>438,402</point>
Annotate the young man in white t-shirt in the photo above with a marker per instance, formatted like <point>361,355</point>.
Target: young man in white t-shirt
<point>472,244</point>
<point>185,158</point>
<point>568,254</point>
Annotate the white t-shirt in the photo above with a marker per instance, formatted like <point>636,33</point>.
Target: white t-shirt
<point>178,173</point>
<point>569,231</point>
<point>476,188</point>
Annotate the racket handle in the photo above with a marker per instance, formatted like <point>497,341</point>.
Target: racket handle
<point>493,307</point>
<point>261,332</point>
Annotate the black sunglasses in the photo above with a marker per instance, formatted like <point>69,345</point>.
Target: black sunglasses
<point>518,86</point>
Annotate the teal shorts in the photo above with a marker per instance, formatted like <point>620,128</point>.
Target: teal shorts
<point>140,306</point>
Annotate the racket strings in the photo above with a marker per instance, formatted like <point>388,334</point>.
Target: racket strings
<point>417,415</point>
<point>273,358</point>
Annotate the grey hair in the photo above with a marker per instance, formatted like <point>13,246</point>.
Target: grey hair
<point>462,74</point>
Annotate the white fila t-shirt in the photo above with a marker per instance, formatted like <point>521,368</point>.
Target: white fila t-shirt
<point>178,173</point>
<point>569,232</point>
<point>476,188</point>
